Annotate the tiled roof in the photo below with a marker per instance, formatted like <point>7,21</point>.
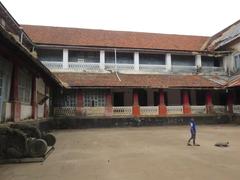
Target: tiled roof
<point>135,80</point>
<point>118,39</point>
<point>234,81</point>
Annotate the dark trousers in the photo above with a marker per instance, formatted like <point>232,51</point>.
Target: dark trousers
<point>193,137</point>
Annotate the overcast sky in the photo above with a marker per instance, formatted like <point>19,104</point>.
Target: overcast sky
<point>193,17</point>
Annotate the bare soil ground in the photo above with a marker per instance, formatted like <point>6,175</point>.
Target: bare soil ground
<point>149,153</point>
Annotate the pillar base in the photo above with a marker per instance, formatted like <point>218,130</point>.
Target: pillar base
<point>16,111</point>
<point>209,109</point>
<point>108,111</point>
<point>187,109</point>
<point>136,110</point>
<point>162,110</point>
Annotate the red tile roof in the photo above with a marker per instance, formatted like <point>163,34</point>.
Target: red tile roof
<point>135,80</point>
<point>120,39</point>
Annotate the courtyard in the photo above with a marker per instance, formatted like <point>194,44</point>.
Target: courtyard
<point>136,153</point>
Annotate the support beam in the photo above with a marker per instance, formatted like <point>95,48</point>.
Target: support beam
<point>136,61</point>
<point>65,58</point>
<point>136,107</point>
<point>186,103</point>
<point>16,105</point>
<point>198,61</point>
<point>230,102</point>
<point>162,107</point>
<point>34,98</point>
<point>108,108</point>
<point>168,62</point>
<point>102,60</point>
<point>209,104</point>
<point>79,96</point>
<point>46,107</point>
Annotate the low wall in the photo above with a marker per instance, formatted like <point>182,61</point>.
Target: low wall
<point>74,122</point>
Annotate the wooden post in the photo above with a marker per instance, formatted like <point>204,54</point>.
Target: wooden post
<point>15,103</point>
<point>162,107</point>
<point>136,107</point>
<point>34,98</point>
<point>209,104</point>
<point>186,104</point>
<point>230,102</point>
<point>79,102</point>
<point>46,107</point>
<point>108,108</point>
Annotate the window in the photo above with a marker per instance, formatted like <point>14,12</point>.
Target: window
<point>65,99</point>
<point>94,99</point>
<point>24,87</point>
<point>237,61</point>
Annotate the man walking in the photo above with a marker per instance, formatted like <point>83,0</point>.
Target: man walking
<point>193,132</point>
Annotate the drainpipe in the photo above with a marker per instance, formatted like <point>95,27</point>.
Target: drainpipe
<point>115,59</point>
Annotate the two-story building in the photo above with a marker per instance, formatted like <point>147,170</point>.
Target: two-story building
<point>132,74</point>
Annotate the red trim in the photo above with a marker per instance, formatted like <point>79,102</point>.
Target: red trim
<point>186,104</point>
<point>162,107</point>
<point>16,105</point>
<point>79,101</point>
<point>108,108</point>
<point>34,98</point>
<point>209,104</point>
<point>230,102</point>
<point>136,107</point>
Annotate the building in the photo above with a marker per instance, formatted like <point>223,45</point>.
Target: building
<point>25,82</point>
<point>100,73</point>
<point>132,74</point>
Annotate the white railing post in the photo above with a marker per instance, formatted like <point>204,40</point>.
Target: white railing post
<point>136,61</point>
<point>198,61</point>
<point>168,61</point>
<point>102,60</point>
<point>65,58</point>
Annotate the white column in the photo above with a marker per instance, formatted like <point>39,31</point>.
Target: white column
<point>168,61</point>
<point>136,61</point>
<point>198,60</point>
<point>102,60</point>
<point>65,58</point>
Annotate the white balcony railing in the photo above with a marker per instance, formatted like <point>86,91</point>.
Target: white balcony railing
<point>119,67</point>
<point>77,66</point>
<point>184,69</point>
<point>53,65</point>
<point>219,109</point>
<point>236,108</point>
<point>93,111</point>
<point>198,109</point>
<point>122,110</point>
<point>209,69</point>
<point>152,68</point>
<point>174,109</point>
<point>149,110</point>
<point>65,111</point>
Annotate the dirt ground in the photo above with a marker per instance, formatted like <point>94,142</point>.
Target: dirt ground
<point>136,153</point>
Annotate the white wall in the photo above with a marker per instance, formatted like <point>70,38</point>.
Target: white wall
<point>26,111</point>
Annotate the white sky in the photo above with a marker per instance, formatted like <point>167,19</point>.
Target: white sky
<point>193,17</point>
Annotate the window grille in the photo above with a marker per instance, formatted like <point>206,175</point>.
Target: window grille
<point>94,99</point>
<point>24,87</point>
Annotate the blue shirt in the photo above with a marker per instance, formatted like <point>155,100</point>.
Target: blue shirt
<point>192,126</point>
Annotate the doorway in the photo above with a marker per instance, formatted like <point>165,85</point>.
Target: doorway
<point>118,99</point>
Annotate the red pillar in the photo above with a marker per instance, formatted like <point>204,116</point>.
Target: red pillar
<point>16,105</point>
<point>209,104</point>
<point>46,107</point>
<point>230,102</point>
<point>34,98</point>
<point>79,102</point>
<point>186,104</point>
<point>162,107</point>
<point>136,107</point>
<point>108,108</point>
